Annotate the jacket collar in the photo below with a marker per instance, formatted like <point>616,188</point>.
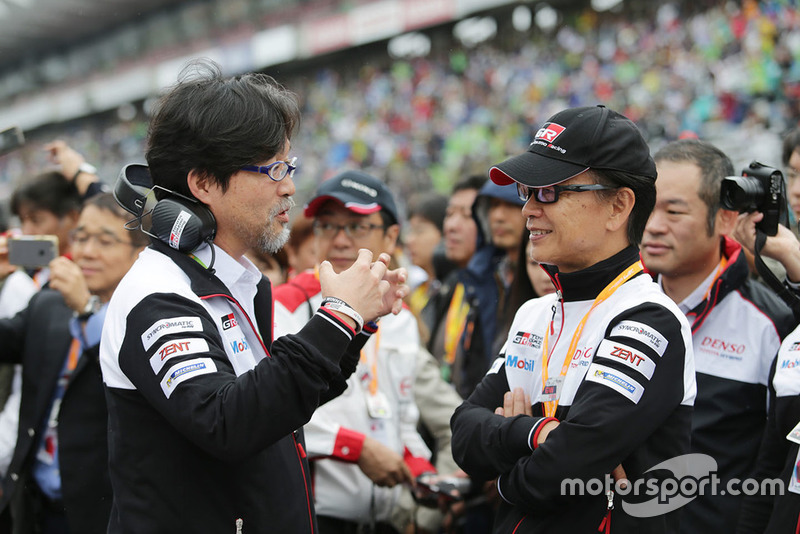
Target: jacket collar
<point>587,283</point>
<point>732,277</point>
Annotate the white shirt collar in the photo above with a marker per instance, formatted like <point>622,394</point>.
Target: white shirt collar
<point>239,276</point>
<point>697,296</point>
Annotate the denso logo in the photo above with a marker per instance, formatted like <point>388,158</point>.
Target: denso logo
<point>520,363</point>
<point>239,346</point>
<point>735,348</point>
<point>549,132</point>
<point>173,348</point>
<point>527,340</point>
<point>228,321</point>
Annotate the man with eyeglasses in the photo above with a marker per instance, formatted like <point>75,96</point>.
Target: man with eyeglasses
<point>364,445</point>
<point>58,477</point>
<point>597,378</point>
<point>206,405</point>
<point>737,323</point>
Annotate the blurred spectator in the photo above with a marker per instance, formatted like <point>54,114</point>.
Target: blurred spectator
<point>301,249</point>
<point>446,318</point>
<point>466,310</point>
<point>790,157</point>
<point>364,445</point>
<point>704,271</point>
<point>422,238</point>
<point>58,479</point>
<point>273,266</point>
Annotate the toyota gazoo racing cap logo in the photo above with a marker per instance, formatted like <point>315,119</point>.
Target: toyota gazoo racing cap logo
<point>549,132</point>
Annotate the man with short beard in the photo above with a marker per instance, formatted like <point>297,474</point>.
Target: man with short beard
<point>205,409</point>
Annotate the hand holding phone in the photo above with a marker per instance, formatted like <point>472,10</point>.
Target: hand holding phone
<point>32,250</point>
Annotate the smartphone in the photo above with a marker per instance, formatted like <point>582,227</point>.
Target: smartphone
<point>11,139</point>
<point>32,250</point>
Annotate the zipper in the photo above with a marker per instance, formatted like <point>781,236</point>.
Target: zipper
<point>605,525</point>
<point>301,453</point>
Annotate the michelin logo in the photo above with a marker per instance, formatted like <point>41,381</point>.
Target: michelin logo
<point>619,382</point>
<point>162,327</point>
<point>183,371</point>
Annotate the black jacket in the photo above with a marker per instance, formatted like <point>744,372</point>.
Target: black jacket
<point>39,338</point>
<point>205,411</point>
<point>627,399</point>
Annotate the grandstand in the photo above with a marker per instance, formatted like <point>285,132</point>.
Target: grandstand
<point>475,78</point>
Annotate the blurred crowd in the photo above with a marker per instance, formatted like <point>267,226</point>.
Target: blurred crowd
<point>728,72</point>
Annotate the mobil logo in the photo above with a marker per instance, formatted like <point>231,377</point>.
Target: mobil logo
<point>523,364</point>
<point>239,345</point>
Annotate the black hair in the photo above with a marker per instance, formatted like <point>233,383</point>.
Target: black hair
<point>48,191</point>
<point>473,181</point>
<point>714,165</point>
<point>105,201</point>
<point>644,191</point>
<point>791,142</point>
<point>431,207</point>
<point>215,125</point>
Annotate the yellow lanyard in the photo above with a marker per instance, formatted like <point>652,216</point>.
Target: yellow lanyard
<point>722,263</point>
<point>454,323</point>
<point>550,406</point>
<point>373,363</point>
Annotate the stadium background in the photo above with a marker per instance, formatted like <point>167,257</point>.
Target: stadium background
<point>418,92</point>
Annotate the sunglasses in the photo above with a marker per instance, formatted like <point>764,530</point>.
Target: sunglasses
<point>549,194</point>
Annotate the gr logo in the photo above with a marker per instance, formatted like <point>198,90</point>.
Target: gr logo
<point>228,321</point>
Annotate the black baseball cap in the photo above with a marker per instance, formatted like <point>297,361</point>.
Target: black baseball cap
<point>576,140</point>
<point>357,191</point>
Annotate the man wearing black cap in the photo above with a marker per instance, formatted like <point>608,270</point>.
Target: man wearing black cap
<point>599,377</point>
<point>365,444</point>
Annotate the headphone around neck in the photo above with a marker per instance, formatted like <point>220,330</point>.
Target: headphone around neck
<point>181,222</point>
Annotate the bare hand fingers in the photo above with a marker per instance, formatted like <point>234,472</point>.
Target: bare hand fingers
<point>518,399</point>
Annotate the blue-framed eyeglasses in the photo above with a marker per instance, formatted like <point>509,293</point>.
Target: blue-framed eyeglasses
<point>548,195</point>
<point>276,171</point>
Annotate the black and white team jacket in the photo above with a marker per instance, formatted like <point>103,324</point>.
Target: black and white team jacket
<point>205,411</point>
<point>737,328</point>
<point>627,399</point>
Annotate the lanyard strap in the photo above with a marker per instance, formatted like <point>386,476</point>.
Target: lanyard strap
<point>454,323</point>
<point>627,274</point>
<point>373,363</point>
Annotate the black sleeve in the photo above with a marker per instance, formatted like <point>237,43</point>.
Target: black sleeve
<point>757,508</point>
<point>485,444</point>
<point>231,416</point>
<point>604,426</point>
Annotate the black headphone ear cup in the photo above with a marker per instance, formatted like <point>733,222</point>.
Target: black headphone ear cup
<point>182,224</point>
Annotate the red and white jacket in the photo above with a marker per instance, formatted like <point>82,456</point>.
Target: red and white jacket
<point>335,435</point>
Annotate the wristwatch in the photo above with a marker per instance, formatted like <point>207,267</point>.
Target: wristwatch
<point>92,306</point>
<point>84,167</point>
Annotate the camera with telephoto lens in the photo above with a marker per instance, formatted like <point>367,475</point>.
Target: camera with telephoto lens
<point>759,188</point>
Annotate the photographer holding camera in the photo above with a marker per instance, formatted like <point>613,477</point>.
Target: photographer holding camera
<point>737,324</point>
